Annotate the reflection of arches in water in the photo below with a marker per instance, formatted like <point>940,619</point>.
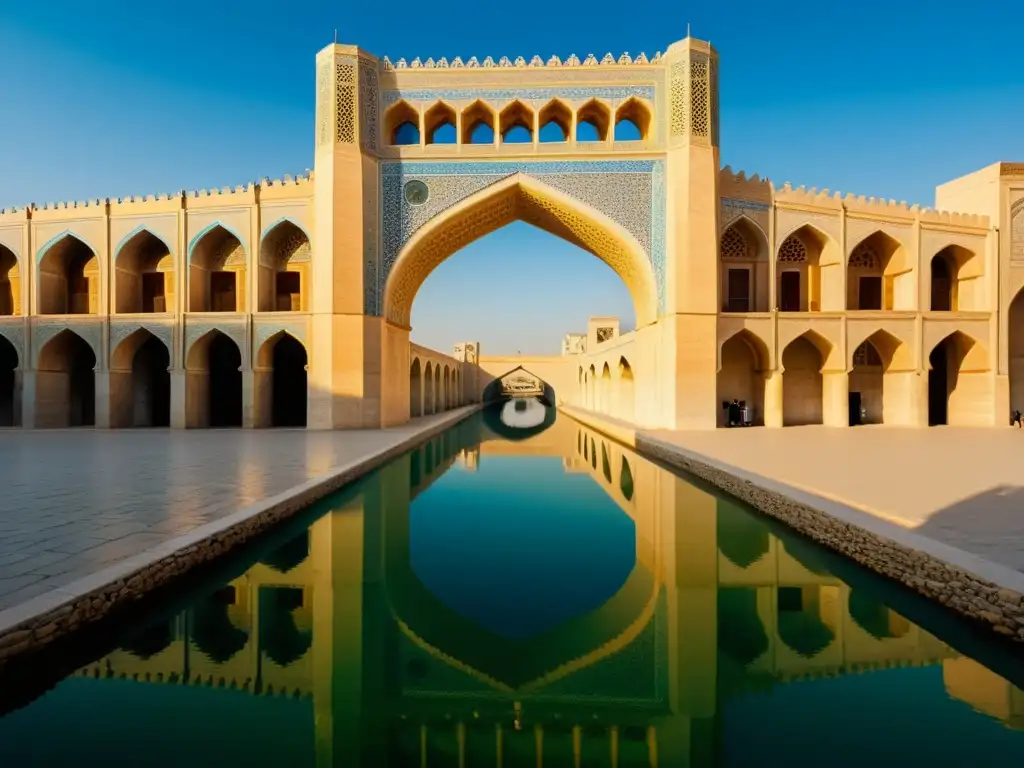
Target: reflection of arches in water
<point>805,553</point>
<point>415,468</point>
<point>593,453</point>
<point>212,630</point>
<point>280,638</point>
<point>800,627</point>
<point>493,422</point>
<point>626,480</point>
<point>151,641</point>
<point>741,634</point>
<point>289,555</point>
<point>741,536</point>
<point>875,618</point>
<point>606,465</point>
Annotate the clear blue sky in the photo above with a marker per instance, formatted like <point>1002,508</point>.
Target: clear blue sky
<point>877,98</point>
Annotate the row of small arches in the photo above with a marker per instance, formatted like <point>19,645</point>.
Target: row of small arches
<point>144,274</point>
<point>587,448</point>
<point>517,123</point>
<point>433,388</point>
<point>602,392</point>
<point>880,273</point>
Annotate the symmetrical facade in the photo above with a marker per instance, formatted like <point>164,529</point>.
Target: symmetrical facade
<point>289,302</point>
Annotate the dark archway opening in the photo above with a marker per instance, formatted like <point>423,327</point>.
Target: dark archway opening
<point>224,362</point>
<point>151,385</point>
<point>8,367</point>
<point>942,284</point>
<point>938,385</point>
<point>289,383</point>
<point>81,383</point>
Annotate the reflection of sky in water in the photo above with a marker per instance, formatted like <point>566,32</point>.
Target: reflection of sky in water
<point>519,546</point>
<point>523,413</point>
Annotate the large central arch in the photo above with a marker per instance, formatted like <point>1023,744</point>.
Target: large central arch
<point>519,198</point>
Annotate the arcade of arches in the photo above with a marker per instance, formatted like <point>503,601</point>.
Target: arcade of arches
<point>283,303</point>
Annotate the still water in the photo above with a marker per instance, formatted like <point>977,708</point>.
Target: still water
<point>523,592</point>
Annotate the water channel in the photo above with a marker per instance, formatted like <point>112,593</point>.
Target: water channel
<point>521,591</point>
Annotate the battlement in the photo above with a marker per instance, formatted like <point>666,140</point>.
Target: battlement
<point>608,60</point>
<point>288,182</point>
<point>736,185</point>
<point>872,206</point>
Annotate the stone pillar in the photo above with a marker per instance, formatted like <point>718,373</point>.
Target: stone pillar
<point>347,333</point>
<point>120,399</point>
<point>28,399</point>
<point>178,381</point>
<point>689,388</point>
<point>263,397</point>
<point>773,412</point>
<point>248,397</point>
<point>835,399</point>
<point>102,382</point>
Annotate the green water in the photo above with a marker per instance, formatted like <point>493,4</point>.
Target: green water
<point>534,596</point>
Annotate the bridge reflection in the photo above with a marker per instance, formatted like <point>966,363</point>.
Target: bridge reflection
<point>723,606</point>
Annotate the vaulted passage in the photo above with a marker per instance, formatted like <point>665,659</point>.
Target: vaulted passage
<point>140,384</point>
<point>289,383</point>
<point>284,269</point>
<point>69,279</point>
<point>217,273</point>
<point>741,379</point>
<point>957,381</point>
<point>10,409</point>
<point>213,397</point>
<point>802,385</point>
<point>144,275</point>
<point>65,382</point>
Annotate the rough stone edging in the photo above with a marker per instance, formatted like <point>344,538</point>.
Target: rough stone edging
<point>999,608</point>
<point>38,622</point>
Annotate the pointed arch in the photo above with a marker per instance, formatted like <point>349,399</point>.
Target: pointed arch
<point>743,363</point>
<point>415,389</point>
<point>65,382</point>
<point>634,112</point>
<point>958,379</point>
<point>625,391</point>
<point>68,277</point>
<point>281,381</point>
<point>10,384</point>
<point>402,124</point>
<point>519,197</point>
<point>478,123</point>
<point>10,282</point>
<point>809,266</point>
<point>284,263</point>
<point>428,389</point>
<point>445,390</point>
<point>744,252</point>
<point>213,389</point>
<point>144,274</point>
<point>873,365</point>
<point>803,359</point>
<point>516,123</point>
<point>954,277</point>
<point>140,391</point>
<point>879,274</point>
<point>592,121</point>
<point>558,115</point>
<point>439,123</point>
<point>218,259</point>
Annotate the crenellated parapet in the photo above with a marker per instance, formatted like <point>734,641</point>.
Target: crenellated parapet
<point>535,62</point>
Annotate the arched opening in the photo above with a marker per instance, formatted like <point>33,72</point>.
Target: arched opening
<point>478,124</point>
<point>956,284</point>
<point>213,395</point>
<point>10,394</point>
<point>439,124</point>
<point>626,480</point>
<point>10,283</point>
<point>217,272</point>
<point>802,383</point>
<point>143,275</point>
<point>438,390</point>
<point>516,122</point>
<point>592,395</point>
<point>741,378</point>
<point>809,272</point>
<point>65,382</point>
<point>446,389</point>
<point>140,383</point>
<point>521,198</point>
<point>802,621</point>
<point>69,279</point>
<point>874,617</point>
<point>743,250</point>
<point>632,120</point>
<point>605,390</point>
<point>555,122</point>
<point>284,269</point>
<point>402,124</point>
<point>625,400</point>
<point>957,381</point>
<point>281,363</point>
<point>592,121</point>
<point>1015,344</point>
<point>415,389</point>
<point>428,390</point>
<point>878,275</point>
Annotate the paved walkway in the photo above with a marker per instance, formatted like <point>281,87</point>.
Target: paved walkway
<point>75,501</point>
<point>961,486</point>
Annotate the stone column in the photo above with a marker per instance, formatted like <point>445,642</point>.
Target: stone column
<point>102,383</point>
<point>249,409</point>
<point>28,399</point>
<point>178,387</point>
<point>773,412</point>
<point>263,397</point>
<point>835,395</point>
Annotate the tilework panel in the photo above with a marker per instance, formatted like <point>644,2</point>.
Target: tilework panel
<point>630,192</point>
<point>498,97</point>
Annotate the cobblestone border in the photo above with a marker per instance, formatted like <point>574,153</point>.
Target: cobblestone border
<point>894,552</point>
<point>38,622</point>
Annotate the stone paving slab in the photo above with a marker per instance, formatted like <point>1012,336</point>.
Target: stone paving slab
<point>960,486</point>
<point>73,502</point>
